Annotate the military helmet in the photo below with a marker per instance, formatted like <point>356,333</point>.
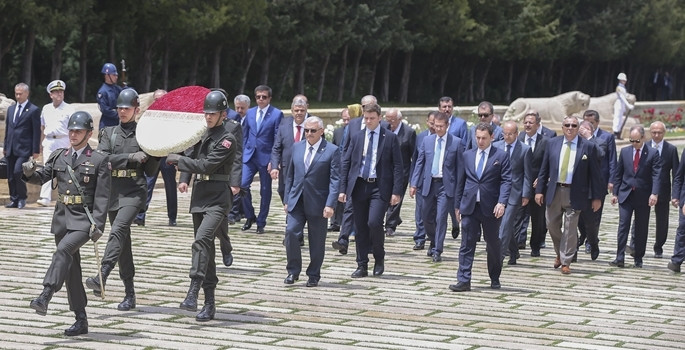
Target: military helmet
<point>128,98</point>
<point>80,120</point>
<point>109,68</point>
<point>215,101</point>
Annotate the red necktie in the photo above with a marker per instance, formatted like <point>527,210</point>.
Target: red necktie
<point>298,135</point>
<point>636,160</point>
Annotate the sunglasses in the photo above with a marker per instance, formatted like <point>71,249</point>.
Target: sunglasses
<point>310,130</point>
<point>635,141</point>
<point>483,115</point>
<point>571,125</point>
<point>261,97</point>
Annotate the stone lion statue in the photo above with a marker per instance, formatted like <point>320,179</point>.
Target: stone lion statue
<point>604,105</point>
<point>552,109</point>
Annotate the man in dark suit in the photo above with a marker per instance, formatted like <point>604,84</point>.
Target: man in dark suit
<point>669,165</point>
<point>407,138</point>
<point>311,190</point>
<point>458,128</point>
<point>371,177</point>
<point>485,113</point>
<point>439,157</point>
<point>481,196</point>
<point>521,178</point>
<point>636,188</point>
<point>338,134</point>
<point>22,140</point>
<point>678,201</point>
<point>242,104</point>
<point>262,124</point>
<point>420,233</point>
<point>533,137</point>
<point>569,176</point>
<point>290,132</point>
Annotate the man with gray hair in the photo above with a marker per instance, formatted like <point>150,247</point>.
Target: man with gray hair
<point>407,138</point>
<point>241,104</point>
<point>290,132</point>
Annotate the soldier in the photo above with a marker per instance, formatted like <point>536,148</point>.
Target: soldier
<point>107,96</point>
<point>129,192</point>
<point>79,214</point>
<point>212,162</point>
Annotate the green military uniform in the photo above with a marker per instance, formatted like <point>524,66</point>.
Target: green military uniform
<point>70,223</point>
<point>234,128</point>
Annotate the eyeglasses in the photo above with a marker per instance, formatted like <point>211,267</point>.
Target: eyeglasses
<point>261,97</point>
<point>571,125</point>
<point>311,130</point>
<point>483,115</point>
<point>635,141</point>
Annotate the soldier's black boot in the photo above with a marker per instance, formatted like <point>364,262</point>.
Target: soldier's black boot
<point>130,297</point>
<point>94,282</point>
<point>190,303</point>
<point>209,309</point>
<point>40,304</point>
<point>80,326</point>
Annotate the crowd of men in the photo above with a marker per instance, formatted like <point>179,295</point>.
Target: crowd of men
<point>492,180</point>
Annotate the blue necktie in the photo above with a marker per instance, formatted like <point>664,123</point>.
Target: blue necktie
<point>369,156</point>
<point>259,120</point>
<point>308,162</point>
<point>436,158</point>
<point>509,151</point>
<point>481,162</point>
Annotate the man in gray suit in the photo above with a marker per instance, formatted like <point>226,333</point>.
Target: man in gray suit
<point>521,179</point>
<point>314,166</point>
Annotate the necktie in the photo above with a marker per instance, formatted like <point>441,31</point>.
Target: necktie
<point>259,119</point>
<point>369,156</point>
<point>73,159</point>
<point>636,160</point>
<point>308,161</point>
<point>436,158</point>
<point>658,148</point>
<point>481,162</point>
<point>564,163</point>
<point>509,151</point>
<point>299,133</point>
<point>17,114</point>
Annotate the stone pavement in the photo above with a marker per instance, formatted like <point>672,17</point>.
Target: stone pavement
<point>409,307</point>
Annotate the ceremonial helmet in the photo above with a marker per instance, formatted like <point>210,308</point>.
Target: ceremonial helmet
<point>128,98</point>
<point>80,120</point>
<point>622,76</point>
<point>109,68</point>
<point>215,101</point>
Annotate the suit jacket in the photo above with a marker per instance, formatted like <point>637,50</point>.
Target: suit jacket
<point>233,127</point>
<point>415,156</point>
<point>537,156</point>
<point>407,138</point>
<point>471,136</point>
<point>458,128</point>
<point>609,160</point>
<point>232,114</point>
<point>521,173</point>
<point>283,145</point>
<point>388,164</point>
<point>321,180</point>
<point>259,143</point>
<point>494,183</point>
<point>587,181</point>
<point>644,182</point>
<point>669,166</point>
<point>338,136</point>
<point>422,174</point>
<point>22,138</point>
<point>679,181</point>
<point>353,128</point>
<point>547,132</point>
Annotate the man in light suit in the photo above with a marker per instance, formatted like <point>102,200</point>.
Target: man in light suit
<point>371,177</point>
<point>439,157</point>
<point>485,113</point>
<point>636,188</point>
<point>22,140</point>
<point>481,196</point>
<point>420,233</point>
<point>458,128</point>
<point>407,138</point>
<point>521,178</point>
<point>311,191</point>
<point>262,122</point>
<point>337,140</point>
<point>242,104</point>
<point>569,176</point>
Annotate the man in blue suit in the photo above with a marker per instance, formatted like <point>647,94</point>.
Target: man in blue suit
<point>311,191</point>
<point>521,188</point>
<point>485,113</point>
<point>481,196</point>
<point>22,140</point>
<point>262,124</point>
<point>636,189</point>
<point>439,157</point>
<point>569,176</point>
<point>458,128</point>
<point>420,233</point>
<point>371,177</point>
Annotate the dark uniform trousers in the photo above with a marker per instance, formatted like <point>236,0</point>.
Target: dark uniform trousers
<point>119,241</point>
<point>316,236</point>
<point>67,255</point>
<point>207,226</point>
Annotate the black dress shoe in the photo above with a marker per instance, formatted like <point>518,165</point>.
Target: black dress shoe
<point>333,228</point>
<point>21,204</point>
<point>312,282</point>
<point>11,205</point>
<point>228,259</point>
<point>455,232</point>
<point>361,271</point>
<point>512,261</point>
<point>594,253</point>
<point>260,229</point>
<point>437,258</point>
<point>673,267</point>
<point>378,268</point>
<point>637,265</point>
<point>535,253</point>
<point>78,328</point>
<point>139,222</point>
<point>291,279</point>
<point>658,255</point>
<point>340,247</point>
<point>248,224</point>
<point>495,284</point>
<point>461,287</point>
<point>172,222</point>
<point>617,263</point>
<point>231,219</point>
<point>522,246</point>
<point>389,231</point>
<point>418,246</point>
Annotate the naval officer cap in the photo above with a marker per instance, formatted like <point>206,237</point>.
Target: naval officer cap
<point>56,85</point>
